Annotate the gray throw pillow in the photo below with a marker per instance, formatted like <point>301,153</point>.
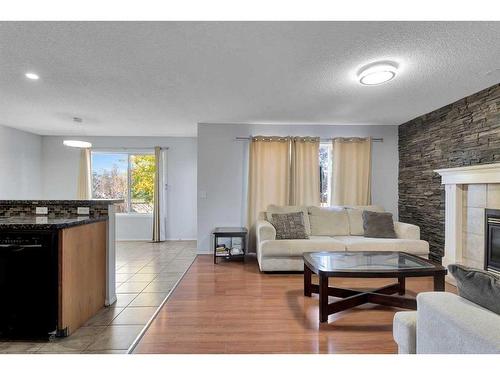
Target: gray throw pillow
<point>378,224</point>
<point>290,226</point>
<point>478,286</point>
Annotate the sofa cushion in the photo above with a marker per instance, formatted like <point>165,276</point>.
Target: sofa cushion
<point>408,231</point>
<point>274,209</point>
<point>328,221</point>
<point>289,226</point>
<point>356,219</point>
<point>357,243</point>
<point>294,248</point>
<point>378,224</point>
<point>372,207</point>
<point>480,287</point>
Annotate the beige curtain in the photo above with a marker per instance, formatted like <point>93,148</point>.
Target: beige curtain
<point>268,174</point>
<point>84,187</point>
<point>351,174</point>
<point>304,188</point>
<point>156,198</point>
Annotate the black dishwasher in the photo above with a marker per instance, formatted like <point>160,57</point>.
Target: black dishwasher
<point>28,283</point>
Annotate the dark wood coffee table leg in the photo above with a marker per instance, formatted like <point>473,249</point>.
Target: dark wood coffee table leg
<point>402,286</point>
<point>323,298</point>
<point>439,283</point>
<point>307,281</point>
<point>350,298</point>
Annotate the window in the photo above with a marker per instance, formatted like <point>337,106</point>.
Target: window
<point>128,176</point>
<point>325,172</point>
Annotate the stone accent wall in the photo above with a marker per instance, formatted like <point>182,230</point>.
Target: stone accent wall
<point>463,133</point>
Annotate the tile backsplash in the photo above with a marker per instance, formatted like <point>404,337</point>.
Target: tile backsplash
<point>56,209</point>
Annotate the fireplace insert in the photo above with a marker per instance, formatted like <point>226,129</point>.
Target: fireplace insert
<point>492,240</point>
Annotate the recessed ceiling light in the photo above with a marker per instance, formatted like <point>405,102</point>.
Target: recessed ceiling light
<point>377,73</point>
<point>32,76</point>
<point>78,144</point>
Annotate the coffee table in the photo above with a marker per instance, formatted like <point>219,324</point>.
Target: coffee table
<point>366,264</point>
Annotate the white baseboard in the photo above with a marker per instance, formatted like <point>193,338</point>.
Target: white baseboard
<point>149,239</point>
<point>132,240</point>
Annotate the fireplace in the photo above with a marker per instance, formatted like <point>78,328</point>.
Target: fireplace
<point>464,211</point>
<point>492,240</point>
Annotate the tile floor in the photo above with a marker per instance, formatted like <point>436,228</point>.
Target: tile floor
<point>145,273</point>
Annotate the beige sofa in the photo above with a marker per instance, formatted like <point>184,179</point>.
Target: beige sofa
<point>335,228</point>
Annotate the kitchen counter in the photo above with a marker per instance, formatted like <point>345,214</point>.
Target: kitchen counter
<point>64,215</point>
<point>46,223</point>
<point>66,258</point>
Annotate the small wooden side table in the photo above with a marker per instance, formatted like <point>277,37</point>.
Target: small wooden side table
<point>230,238</point>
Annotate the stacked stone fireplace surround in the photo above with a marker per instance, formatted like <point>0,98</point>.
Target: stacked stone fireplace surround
<point>461,134</point>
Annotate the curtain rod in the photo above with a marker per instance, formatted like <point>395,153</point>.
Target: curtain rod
<point>322,139</point>
<point>127,148</point>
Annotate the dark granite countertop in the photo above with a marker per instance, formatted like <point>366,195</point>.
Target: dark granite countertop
<point>43,222</point>
<point>76,202</point>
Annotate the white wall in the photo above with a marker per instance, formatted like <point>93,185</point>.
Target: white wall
<point>222,169</point>
<point>134,227</point>
<point>20,164</point>
<point>60,174</point>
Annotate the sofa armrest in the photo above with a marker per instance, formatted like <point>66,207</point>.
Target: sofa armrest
<point>404,331</point>
<point>449,324</point>
<point>265,231</point>
<point>407,231</point>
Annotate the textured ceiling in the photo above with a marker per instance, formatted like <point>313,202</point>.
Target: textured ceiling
<point>162,78</point>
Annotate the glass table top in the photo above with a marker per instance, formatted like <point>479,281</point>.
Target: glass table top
<point>366,261</point>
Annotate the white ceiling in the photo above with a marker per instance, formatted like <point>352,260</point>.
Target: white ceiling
<point>162,78</point>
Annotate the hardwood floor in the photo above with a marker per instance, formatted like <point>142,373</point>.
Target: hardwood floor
<point>233,308</point>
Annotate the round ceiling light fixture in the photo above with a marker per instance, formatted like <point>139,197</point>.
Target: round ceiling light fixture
<point>75,143</point>
<point>377,73</point>
<point>32,76</point>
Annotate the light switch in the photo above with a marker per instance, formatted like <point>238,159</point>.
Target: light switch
<point>41,210</point>
<point>83,210</point>
<point>41,220</point>
<point>203,194</point>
